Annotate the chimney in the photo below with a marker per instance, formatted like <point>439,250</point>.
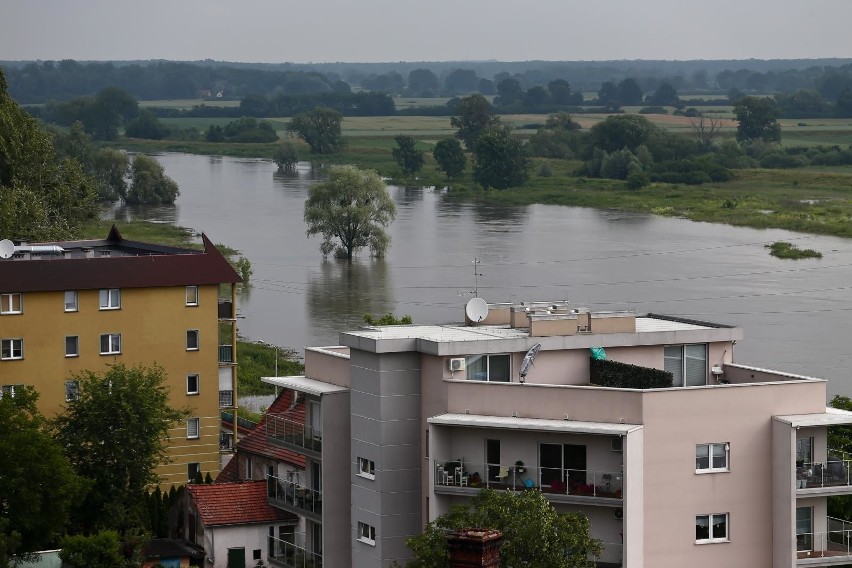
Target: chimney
<point>479,548</point>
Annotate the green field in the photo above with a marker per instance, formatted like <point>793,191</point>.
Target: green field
<point>186,104</point>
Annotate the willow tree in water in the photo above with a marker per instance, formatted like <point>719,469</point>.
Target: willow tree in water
<point>351,211</point>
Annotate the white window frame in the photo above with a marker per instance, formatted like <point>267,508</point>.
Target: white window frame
<point>366,533</point>
<point>72,390</point>
<point>7,305</point>
<point>113,343</point>
<point>193,425</point>
<point>73,306</point>
<point>110,298</point>
<point>8,350</point>
<point>683,363</point>
<point>714,537</point>
<point>469,360</point>
<point>10,390</point>
<point>193,333</point>
<point>366,468</point>
<point>76,352</point>
<point>724,446</point>
<point>197,383</point>
<point>193,300</point>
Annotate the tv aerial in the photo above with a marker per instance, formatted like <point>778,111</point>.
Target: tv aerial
<point>476,310</point>
<point>7,248</point>
<point>528,361</point>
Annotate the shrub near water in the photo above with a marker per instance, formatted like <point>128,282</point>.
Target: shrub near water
<point>782,249</point>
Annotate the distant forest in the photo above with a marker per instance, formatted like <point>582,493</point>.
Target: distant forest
<point>44,81</point>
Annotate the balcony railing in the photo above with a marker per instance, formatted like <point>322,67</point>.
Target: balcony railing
<point>288,555</point>
<point>226,441</point>
<point>281,491</point>
<point>555,481</point>
<point>833,473</point>
<point>837,542</point>
<point>226,309</point>
<point>226,398</point>
<point>226,353</point>
<point>295,433</point>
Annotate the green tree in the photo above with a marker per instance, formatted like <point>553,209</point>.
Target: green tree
<point>509,91</point>
<point>286,156</point>
<point>406,154</point>
<point>500,159</point>
<point>110,168</point>
<point>534,534</point>
<point>44,197</point>
<point>150,184</point>
<point>320,128</point>
<point>37,483</point>
<point>608,95</point>
<point>558,138</point>
<point>664,95</point>
<point>758,118</point>
<point>101,550</point>
<point>350,210</point>
<point>423,83</point>
<point>629,92</point>
<point>146,125</point>
<point>114,434</point>
<point>621,131</point>
<point>450,157</point>
<point>474,115</point>
<point>108,111</point>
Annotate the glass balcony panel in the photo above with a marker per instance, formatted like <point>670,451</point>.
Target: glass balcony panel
<point>282,491</point>
<point>295,433</point>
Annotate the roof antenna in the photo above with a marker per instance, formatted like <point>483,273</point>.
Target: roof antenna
<point>476,274</point>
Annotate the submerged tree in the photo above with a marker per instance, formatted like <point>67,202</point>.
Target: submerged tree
<point>150,183</point>
<point>350,210</point>
<point>286,156</point>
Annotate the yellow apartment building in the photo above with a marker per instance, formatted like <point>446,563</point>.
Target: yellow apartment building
<point>75,305</point>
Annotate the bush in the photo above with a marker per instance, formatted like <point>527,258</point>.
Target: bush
<point>545,171</point>
<point>653,110</point>
<point>613,374</point>
<point>777,159</point>
<point>637,179</point>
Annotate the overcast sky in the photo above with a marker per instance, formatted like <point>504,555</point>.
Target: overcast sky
<point>432,30</point>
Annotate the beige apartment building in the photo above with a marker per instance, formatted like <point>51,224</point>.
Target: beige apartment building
<point>84,305</point>
<point>728,466</point>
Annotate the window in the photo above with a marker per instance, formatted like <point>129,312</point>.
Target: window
<point>110,299</point>
<point>72,346</point>
<point>11,349</point>
<point>193,469</point>
<point>192,340</point>
<point>255,554</point>
<point>687,364</point>
<point>366,468</point>
<point>711,528</point>
<point>711,457</point>
<point>192,295</point>
<point>367,533</point>
<point>11,304</point>
<point>192,428</point>
<point>249,469</point>
<point>72,390</point>
<point>71,301</point>
<point>10,390</point>
<point>192,383</point>
<point>488,368</point>
<point>804,529</point>
<point>110,344</point>
<point>804,451</point>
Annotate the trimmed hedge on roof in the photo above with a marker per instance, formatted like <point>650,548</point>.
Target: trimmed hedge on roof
<point>607,373</point>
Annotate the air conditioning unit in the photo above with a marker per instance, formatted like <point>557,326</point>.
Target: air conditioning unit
<point>456,364</point>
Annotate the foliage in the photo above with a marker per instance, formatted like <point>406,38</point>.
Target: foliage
<point>350,210</point>
<point>423,82</point>
<point>705,130</point>
<point>320,129</point>
<point>150,183</point>
<point>286,156</point>
<point>387,319</point>
<point>637,179</point>
<point>409,158</point>
<point>245,130</point>
<point>782,249</point>
<point>619,164</point>
<point>122,409</point>
<point>449,155</point>
<point>146,125</point>
<point>257,360</point>
<point>100,550</point>
<point>243,266</point>
<point>31,515</point>
<point>665,95</point>
<point>558,139</point>
<point>534,534</point>
<point>473,116</point>
<point>44,197</point>
<point>613,374</point>
<point>621,131</point>
<point>629,92</point>
<point>758,119</point>
<point>500,159</point>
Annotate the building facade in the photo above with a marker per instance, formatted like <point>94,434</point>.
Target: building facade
<point>724,465</point>
<point>85,305</point>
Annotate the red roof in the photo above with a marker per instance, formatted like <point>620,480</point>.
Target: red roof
<point>242,503</point>
<point>230,472</point>
<point>256,441</point>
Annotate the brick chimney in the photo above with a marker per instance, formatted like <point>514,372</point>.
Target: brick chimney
<point>477,548</point>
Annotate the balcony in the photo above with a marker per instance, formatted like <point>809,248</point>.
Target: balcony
<point>563,485</point>
<point>285,554</point>
<point>226,309</point>
<point>833,476</point>
<point>294,435</point>
<point>226,441</point>
<point>826,548</point>
<point>226,399</point>
<point>226,353</point>
<point>294,497</point>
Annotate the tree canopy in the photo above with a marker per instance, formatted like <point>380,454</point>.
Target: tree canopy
<point>758,118</point>
<point>320,128</point>
<point>406,154</point>
<point>286,156</point>
<point>500,159</point>
<point>449,155</point>
<point>150,183</point>
<point>534,534</point>
<point>350,210</point>
<point>473,116</point>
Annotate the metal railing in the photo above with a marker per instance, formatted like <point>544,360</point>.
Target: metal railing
<point>289,555</point>
<point>294,495</point>
<point>226,398</point>
<point>832,473</point>
<point>226,353</point>
<point>558,481</point>
<point>292,432</point>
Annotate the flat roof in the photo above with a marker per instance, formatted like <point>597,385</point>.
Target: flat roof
<point>303,384</point>
<point>831,417</point>
<point>537,424</point>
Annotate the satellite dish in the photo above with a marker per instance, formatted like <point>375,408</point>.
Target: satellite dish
<point>528,361</point>
<point>476,310</point>
<point>7,248</point>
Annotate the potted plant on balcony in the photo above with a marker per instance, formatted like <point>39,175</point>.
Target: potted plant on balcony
<point>519,467</point>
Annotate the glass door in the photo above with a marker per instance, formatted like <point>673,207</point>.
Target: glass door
<point>492,459</point>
